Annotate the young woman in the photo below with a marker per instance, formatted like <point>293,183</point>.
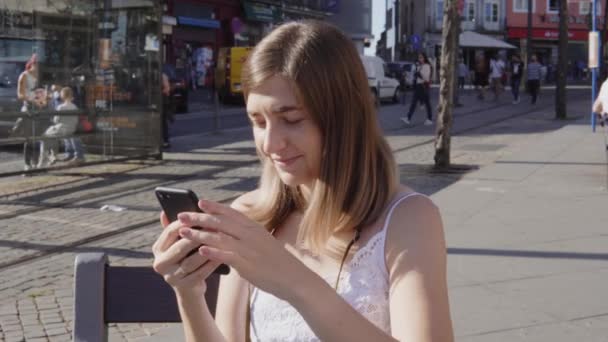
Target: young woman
<point>422,89</point>
<point>329,247</point>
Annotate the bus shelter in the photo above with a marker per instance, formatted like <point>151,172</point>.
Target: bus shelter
<point>106,52</point>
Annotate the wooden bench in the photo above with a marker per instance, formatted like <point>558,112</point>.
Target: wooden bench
<point>118,294</point>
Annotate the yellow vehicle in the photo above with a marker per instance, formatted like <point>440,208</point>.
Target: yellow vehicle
<point>228,72</point>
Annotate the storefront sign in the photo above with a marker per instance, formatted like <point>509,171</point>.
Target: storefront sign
<point>548,34</point>
<point>261,12</point>
<point>206,23</point>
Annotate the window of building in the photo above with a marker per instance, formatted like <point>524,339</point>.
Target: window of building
<point>491,12</point>
<point>521,6</point>
<point>585,7</point>
<point>389,18</point>
<point>469,11</point>
<point>439,11</point>
<point>552,5</point>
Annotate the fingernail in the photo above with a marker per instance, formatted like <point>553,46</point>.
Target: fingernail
<point>182,217</point>
<point>203,251</point>
<point>185,232</point>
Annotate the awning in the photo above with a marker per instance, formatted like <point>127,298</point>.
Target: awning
<point>472,39</point>
<point>206,23</point>
<point>262,12</point>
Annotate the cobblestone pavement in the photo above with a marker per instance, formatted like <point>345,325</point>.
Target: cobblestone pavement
<point>46,220</point>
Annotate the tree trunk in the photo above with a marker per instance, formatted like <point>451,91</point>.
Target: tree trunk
<point>449,52</point>
<point>562,62</point>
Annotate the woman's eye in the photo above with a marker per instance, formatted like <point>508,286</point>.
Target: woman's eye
<point>258,123</point>
<point>292,121</point>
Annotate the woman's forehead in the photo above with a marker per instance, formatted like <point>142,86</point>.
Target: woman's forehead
<point>272,94</point>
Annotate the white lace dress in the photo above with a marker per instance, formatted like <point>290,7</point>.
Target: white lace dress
<point>364,284</point>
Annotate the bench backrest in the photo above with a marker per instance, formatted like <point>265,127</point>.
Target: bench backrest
<point>116,294</point>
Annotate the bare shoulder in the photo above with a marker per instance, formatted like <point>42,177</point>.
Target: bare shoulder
<point>246,200</point>
<point>415,231</point>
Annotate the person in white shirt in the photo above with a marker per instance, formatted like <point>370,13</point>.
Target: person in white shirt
<point>329,247</point>
<point>600,105</point>
<point>497,71</point>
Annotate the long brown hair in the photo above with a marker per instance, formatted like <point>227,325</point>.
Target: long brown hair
<point>357,176</point>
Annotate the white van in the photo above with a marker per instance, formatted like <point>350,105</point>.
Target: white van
<point>382,86</point>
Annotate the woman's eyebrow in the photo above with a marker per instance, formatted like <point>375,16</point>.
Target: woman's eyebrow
<point>284,109</point>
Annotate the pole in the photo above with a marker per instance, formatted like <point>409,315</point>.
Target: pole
<point>529,34</point>
<point>594,70</point>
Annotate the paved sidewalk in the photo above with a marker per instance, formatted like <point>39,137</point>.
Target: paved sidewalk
<point>527,258</point>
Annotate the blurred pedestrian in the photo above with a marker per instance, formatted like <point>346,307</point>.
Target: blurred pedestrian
<point>167,108</point>
<point>516,71</point>
<point>534,74</point>
<point>32,97</point>
<point>481,75</point>
<point>422,88</point>
<point>463,74</point>
<point>497,70</point>
<point>63,126</point>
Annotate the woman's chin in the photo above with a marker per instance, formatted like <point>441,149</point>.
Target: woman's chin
<point>291,179</point>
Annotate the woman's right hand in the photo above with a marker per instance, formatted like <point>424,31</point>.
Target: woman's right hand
<point>185,273</point>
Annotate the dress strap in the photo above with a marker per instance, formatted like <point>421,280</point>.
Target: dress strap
<point>399,199</point>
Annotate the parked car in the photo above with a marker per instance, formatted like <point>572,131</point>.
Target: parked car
<point>179,87</point>
<point>382,86</point>
<point>402,71</point>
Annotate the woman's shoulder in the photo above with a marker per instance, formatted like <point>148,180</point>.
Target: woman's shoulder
<point>414,231</point>
<point>414,216</point>
<point>245,201</point>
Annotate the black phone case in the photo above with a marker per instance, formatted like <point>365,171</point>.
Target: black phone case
<point>174,201</point>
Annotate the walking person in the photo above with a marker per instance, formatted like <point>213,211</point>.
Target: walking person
<point>516,71</point>
<point>481,75</point>
<point>330,246</point>
<point>463,74</point>
<point>497,70</point>
<point>422,87</point>
<point>534,74</point>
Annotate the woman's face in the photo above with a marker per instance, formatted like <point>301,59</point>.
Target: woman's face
<point>285,132</point>
<point>421,58</point>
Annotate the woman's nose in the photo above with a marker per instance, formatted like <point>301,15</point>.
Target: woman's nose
<point>275,139</point>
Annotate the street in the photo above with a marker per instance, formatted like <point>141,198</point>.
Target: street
<point>500,265</point>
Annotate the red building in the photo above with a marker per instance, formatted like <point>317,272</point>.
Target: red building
<point>545,27</point>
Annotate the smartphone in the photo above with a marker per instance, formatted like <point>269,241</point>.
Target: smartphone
<point>174,201</point>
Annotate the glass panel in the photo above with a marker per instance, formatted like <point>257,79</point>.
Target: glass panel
<point>439,10</point>
<point>80,70</point>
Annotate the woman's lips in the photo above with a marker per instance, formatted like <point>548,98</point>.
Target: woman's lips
<point>285,162</point>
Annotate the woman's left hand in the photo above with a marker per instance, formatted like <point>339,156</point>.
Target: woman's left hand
<point>232,238</point>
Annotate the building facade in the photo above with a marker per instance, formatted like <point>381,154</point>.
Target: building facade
<point>354,18</point>
<point>545,27</point>
<point>195,30</point>
<point>487,17</point>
